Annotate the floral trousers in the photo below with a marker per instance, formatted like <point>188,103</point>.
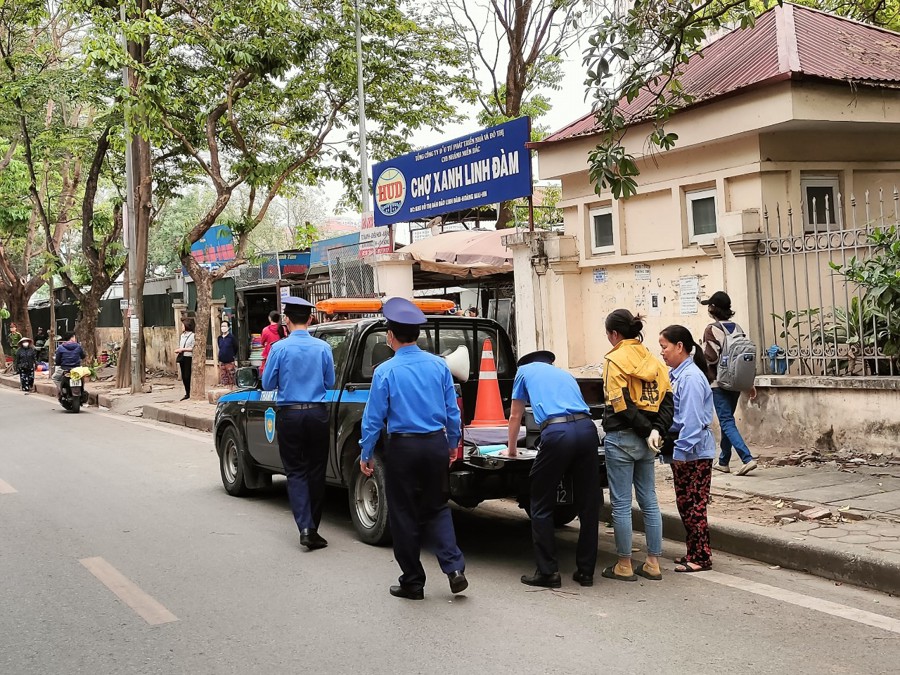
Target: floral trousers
<point>26,378</point>
<point>692,482</point>
<point>226,374</point>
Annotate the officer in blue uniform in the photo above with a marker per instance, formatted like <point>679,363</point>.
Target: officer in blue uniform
<point>568,445</point>
<point>412,393</point>
<point>301,369</point>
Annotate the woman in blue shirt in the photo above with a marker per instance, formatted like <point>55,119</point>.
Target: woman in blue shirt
<point>695,447</point>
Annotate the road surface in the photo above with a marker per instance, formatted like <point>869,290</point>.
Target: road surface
<point>121,553</point>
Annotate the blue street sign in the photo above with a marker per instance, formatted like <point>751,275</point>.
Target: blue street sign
<point>490,166</point>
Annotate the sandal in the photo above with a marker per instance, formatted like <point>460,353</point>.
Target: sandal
<point>687,569</point>
<point>642,572</point>
<point>610,573</point>
<point>681,561</point>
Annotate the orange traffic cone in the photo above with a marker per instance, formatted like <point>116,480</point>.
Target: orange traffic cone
<point>488,405</point>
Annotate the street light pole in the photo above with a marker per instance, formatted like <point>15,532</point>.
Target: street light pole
<point>363,152</point>
<point>134,326</point>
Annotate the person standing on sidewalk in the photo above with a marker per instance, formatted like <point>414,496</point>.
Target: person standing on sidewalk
<point>695,446</point>
<point>568,445</point>
<point>301,369</point>
<point>184,355</point>
<point>638,413</point>
<point>25,363</point>
<point>725,402</point>
<point>271,334</point>
<point>413,395</point>
<point>227,352</point>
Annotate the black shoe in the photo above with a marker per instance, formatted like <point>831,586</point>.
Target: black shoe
<point>185,398</point>
<point>458,581</point>
<point>312,540</point>
<point>583,578</point>
<point>543,580</point>
<point>408,593</point>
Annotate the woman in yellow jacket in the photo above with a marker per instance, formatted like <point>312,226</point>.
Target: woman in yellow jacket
<point>639,410</point>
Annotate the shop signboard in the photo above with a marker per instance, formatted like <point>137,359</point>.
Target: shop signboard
<point>489,166</point>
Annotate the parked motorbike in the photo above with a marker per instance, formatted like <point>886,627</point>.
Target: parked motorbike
<point>72,394</point>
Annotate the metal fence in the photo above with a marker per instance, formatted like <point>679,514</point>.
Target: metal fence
<point>817,322</point>
<point>350,276</point>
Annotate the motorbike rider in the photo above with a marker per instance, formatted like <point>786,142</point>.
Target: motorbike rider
<point>69,354</point>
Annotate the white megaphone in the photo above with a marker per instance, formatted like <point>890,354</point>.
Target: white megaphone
<point>458,361</point>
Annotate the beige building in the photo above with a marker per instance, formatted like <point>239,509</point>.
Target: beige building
<point>788,158</point>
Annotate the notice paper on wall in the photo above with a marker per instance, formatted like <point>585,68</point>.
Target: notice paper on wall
<point>642,272</point>
<point>654,309</point>
<point>600,275</point>
<point>688,290</point>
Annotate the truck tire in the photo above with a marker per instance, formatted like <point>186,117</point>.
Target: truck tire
<point>368,506</point>
<point>564,513</point>
<point>231,463</point>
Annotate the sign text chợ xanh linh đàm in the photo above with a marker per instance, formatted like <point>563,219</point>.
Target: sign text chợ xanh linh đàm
<point>489,166</point>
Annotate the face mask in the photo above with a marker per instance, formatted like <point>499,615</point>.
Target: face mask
<point>26,345</point>
<point>224,329</point>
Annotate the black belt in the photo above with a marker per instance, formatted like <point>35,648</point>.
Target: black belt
<point>564,418</point>
<point>302,406</point>
<point>425,435</point>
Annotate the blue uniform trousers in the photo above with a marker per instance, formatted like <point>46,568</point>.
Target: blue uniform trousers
<point>567,447</point>
<point>303,445</point>
<point>417,482</point>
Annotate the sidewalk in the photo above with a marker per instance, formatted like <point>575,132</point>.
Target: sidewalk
<point>836,516</point>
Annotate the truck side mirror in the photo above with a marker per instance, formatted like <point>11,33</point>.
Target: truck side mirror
<point>247,378</point>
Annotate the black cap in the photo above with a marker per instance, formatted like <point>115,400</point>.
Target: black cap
<point>294,301</point>
<point>540,356</point>
<point>402,311</point>
<point>718,299</point>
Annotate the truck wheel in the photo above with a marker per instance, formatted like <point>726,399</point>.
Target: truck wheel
<point>368,507</point>
<point>231,463</point>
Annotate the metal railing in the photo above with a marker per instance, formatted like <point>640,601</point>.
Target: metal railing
<point>350,276</point>
<point>815,321</point>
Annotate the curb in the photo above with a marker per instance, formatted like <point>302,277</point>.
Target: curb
<point>838,562</point>
<point>47,389</point>
<point>160,413</point>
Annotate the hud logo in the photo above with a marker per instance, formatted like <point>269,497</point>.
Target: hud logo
<point>390,191</point>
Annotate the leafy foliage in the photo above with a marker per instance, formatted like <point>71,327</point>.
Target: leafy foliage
<point>641,52</point>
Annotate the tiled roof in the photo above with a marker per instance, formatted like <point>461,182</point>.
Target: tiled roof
<point>787,42</point>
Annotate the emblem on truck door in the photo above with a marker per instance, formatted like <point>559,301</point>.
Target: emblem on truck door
<point>270,424</point>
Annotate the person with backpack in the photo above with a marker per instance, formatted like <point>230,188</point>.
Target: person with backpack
<point>731,357</point>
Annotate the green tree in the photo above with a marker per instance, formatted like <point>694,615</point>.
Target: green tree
<point>643,50</point>
<point>261,94</point>
<point>516,48</point>
<point>65,125</point>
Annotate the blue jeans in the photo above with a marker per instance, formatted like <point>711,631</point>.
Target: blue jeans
<point>725,403</point>
<point>630,462</point>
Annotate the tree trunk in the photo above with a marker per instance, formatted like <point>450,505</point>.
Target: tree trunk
<point>203,284</point>
<point>17,301</point>
<point>86,328</point>
<point>505,216</point>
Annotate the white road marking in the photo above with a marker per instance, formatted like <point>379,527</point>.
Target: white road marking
<point>128,592</point>
<point>825,606</point>
<point>6,488</point>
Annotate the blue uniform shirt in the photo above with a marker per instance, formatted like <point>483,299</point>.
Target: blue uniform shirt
<point>414,392</point>
<point>551,391</point>
<point>301,368</point>
<point>693,413</point>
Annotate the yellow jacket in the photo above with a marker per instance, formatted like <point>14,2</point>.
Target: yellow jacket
<point>638,391</point>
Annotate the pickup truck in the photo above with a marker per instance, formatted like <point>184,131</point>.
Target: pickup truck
<point>247,447</point>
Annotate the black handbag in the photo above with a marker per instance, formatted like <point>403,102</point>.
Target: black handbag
<point>180,357</point>
<point>668,446</point>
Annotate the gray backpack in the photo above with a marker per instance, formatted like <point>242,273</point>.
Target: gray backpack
<point>737,361</point>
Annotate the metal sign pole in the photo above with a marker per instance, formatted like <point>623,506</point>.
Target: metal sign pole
<point>134,325</point>
<point>363,152</point>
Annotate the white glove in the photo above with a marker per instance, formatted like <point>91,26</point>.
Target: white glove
<point>655,441</point>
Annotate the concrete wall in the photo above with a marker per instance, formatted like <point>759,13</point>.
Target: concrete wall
<point>160,343</point>
<point>861,414</point>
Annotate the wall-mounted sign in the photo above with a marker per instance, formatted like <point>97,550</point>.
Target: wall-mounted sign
<point>318,250</point>
<point>374,240</point>
<point>486,167</point>
<point>215,248</point>
<point>600,275</point>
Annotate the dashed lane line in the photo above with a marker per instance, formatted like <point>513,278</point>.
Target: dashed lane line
<point>809,602</point>
<point>6,488</point>
<point>145,606</point>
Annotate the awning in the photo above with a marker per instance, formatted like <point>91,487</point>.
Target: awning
<point>463,254</point>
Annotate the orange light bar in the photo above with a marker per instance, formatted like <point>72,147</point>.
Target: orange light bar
<point>372,305</point>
